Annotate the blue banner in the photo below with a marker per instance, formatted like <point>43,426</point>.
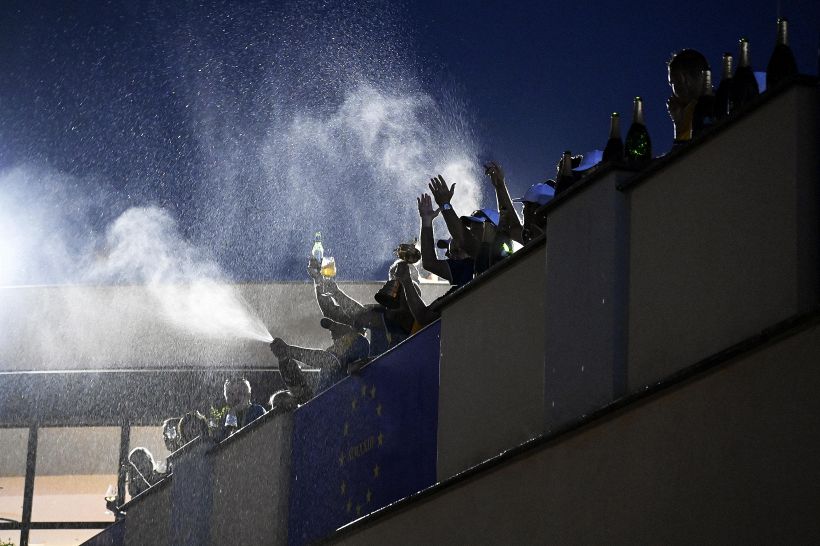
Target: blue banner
<point>368,441</point>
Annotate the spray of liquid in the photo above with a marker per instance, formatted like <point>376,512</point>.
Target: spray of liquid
<point>297,119</point>
<point>143,246</point>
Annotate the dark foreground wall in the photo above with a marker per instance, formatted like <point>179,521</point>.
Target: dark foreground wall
<point>730,457</point>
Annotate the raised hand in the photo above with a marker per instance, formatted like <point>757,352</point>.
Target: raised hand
<point>426,208</point>
<point>495,172</point>
<point>279,348</point>
<point>441,193</point>
<point>403,272</point>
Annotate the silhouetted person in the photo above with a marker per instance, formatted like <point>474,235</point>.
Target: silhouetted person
<point>191,426</point>
<point>458,267</point>
<point>241,411</point>
<point>281,402</point>
<point>538,195</point>
<point>142,471</point>
<point>170,434</point>
<point>422,313</point>
<point>685,72</point>
<point>388,326</point>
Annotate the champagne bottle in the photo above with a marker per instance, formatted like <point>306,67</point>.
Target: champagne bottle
<point>704,114</point>
<point>782,64</point>
<point>744,84</point>
<point>565,176</point>
<point>723,98</point>
<point>638,146</point>
<point>614,150</point>
<point>318,251</point>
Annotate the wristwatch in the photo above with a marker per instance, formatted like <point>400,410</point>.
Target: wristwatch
<point>446,206</point>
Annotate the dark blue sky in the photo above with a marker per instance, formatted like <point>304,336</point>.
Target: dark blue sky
<point>252,122</point>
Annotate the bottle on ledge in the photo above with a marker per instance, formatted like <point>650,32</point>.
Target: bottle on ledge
<point>614,151</point>
<point>782,64</point>
<point>638,146</point>
<point>723,97</point>
<point>318,251</point>
<point>565,176</point>
<point>744,83</point>
<point>704,115</point>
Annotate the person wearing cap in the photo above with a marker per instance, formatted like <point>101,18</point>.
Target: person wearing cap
<point>458,267</point>
<point>535,197</point>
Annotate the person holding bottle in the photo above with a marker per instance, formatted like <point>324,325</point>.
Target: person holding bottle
<point>387,326</point>
<point>685,73</point>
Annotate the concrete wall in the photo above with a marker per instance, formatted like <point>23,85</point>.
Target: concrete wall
<point>728,458</point>
<point>724,241</point>
<point>148,520</point>
<point>491,385</point>
<point>586,282</point>
<point>251,486</point>
<point>246,481</point>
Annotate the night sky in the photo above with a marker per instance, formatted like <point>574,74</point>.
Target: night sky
<point>252,123</point>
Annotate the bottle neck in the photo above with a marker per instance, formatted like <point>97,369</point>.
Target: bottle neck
<point>707,83</point>
<point>728,66</point>
<point>615,125</point>
<point>782,32</point>
<point>637,111</point>
<point>744,54</point>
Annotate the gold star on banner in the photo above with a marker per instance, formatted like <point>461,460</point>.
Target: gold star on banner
<point>379,410</point>
<point>364,390</point>
<point>349,505</point>
<point>346,429</point>
<point>358,509</point>
<point>353,403</point>
<point>373,391</point>
<point>342,459</point>
<point>369,496</point>
<point>381,438</point>
<point>343,488</point>
<point>376,470</point>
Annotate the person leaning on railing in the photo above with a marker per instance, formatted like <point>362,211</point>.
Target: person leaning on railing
<point>142,471</point>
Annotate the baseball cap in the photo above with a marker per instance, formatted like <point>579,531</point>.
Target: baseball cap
<point>482,215</point>
<point>540,193</point>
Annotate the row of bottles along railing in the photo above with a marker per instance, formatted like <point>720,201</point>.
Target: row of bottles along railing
<point>738,86</point>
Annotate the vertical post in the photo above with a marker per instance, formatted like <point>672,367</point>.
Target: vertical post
<point>28,488</point>
<point>125,440</point>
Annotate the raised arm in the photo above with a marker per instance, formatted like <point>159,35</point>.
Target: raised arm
<point>418,308</point>
<point>429,261</point>
<point>333,302</point>
<point>506,209</point>
<point>443,195</point>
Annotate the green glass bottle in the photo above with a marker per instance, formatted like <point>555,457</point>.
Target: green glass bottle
<point>638,145</point>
